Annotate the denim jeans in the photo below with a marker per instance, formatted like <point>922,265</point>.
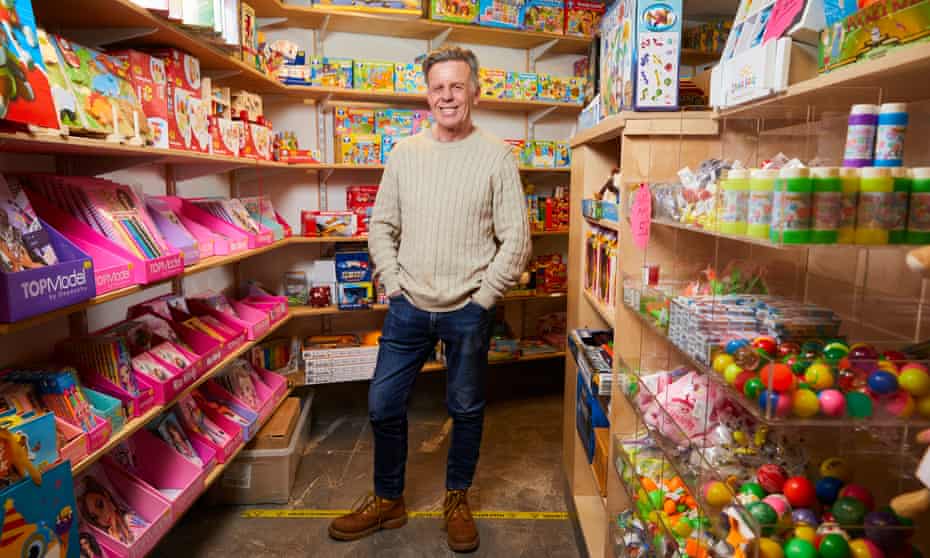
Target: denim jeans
<point>408,338</point>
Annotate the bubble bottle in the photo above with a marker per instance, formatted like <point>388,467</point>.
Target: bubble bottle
<point>918,216</point>
<point>849,177</point>
<point>735,193</point>
<point>827,204</point>
<point>897,219</point>
<point>860,136</point>
<point>876,191</point>
<point>759,207</point>
<point>791,207</point>
<point>889,136</point>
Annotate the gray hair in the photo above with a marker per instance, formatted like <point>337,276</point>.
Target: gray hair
<point>451,53</point>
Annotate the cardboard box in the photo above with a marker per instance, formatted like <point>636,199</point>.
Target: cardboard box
<point>600,464</point>
<point>331,72</point>
<point>521,85</point>
<point>350,120</point>
<point>181,69</point>
<point>408,78</point>
<point>507,14</point>
<point>373,76</point>
<point>147,76</point>
<point>456,11</point>
<point>493,83</point>
<point>359,149</point>
<point>582,17</point>
<point>547,16</point>
<point>277,432</point>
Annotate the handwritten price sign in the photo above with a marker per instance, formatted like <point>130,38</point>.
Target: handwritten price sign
<point>641,217</point>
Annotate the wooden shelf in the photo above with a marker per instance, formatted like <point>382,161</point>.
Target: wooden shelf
<point>680,123</point>
<point>604,224</point>
<point>412,26</point>
<point>592,518</point>
<point>439,366</point>
<point>606,312</point>
<point>306,311</point>
<point>133,425</point>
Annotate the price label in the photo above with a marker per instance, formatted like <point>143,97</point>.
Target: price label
<point>641,217</point>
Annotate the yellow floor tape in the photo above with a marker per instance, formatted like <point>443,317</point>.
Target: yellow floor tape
<point>330,514</point>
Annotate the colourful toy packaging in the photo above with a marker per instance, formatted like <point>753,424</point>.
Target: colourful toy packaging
<point>518,147</point>
<point>563,155</point>
<point>582,17</point>
<point>408,78</point>
<point>329,223</point>
<point>148,78</point>
<point>350,120</point>
<point>65,100</point>
<point>373,76</point>
<point>27,97</point>
<point>256,141</point>
<point>521,85</point>
<point>493,83</point>
<point>226,136</point>
<point>456,11</point>
<point>361,200</point>
<point>355,296</point>
<point>248,35</point>
<point>331,72</point>
<point>542,154</point>
<point>501,13</point>
<point>389,6</point>
<point>547,16</point>
<point>387,145</point>
<point>872,31</point>
<point>41,518</point>
<point>640,50</point>
<point>359,149</point>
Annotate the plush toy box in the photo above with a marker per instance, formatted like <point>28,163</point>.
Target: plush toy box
<point>521,85</point>
<point>36,291</point>
<point>373,76</point>
<point>44,514</point>
<point>546,16</point>
<point>145,501</point>
<point>408,78</point>
<point>331,72</point>
<point>493,83</point>
<point>359,149</point>
<point>456,11</point>
<point>507,14</point>
<point>350,120</point>
<point>147,74</point>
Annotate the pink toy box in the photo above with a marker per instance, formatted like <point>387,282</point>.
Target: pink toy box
<point>226,239</point>
<point>274,306</point>
<point>160,467</point>
<point>233,433</point>
<point>220,402</point>
<point>204,237</point>
<point>75,449</point>
<point>146,503</point>
<point>254,321</point>
<point>253,241</point>
<point>269,391</point>
<point>232,339</point>
<point>208,351</point>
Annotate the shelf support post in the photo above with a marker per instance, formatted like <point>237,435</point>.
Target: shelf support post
<point>535,117</point>
<point>320,36</point>
<point>440,38</point>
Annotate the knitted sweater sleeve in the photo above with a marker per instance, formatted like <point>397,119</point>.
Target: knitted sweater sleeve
<point>385,226</point>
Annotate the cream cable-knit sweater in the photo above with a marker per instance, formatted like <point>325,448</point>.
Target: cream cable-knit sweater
<point>450,222</point>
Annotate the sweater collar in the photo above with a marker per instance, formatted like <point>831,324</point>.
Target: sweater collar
<point>458,144</point>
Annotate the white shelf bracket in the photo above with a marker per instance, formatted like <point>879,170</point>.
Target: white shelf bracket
<point>264,22</point>
<point>440,38</point>
<point>539,51</point>
<point>535,117</point>
<point>321,35</point>
<point>99,37</point>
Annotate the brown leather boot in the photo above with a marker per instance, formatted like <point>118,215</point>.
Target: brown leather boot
<point>461,531</point>
<point>372,514</point>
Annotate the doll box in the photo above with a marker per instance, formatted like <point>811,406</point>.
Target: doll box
<point>147,503</point>
<point>507,14</point>
<point>373,76</point>
<point>225,451</point>
<point>546,16</point>
<point>331,72</point>
<point>408,78</point>
<point>493,83</point>
<point>35,291</point>
<point>456,11</point>
<point>220,405</point>
<point>238,239</point>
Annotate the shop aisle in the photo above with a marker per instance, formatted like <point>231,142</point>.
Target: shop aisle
<point>519,471</point>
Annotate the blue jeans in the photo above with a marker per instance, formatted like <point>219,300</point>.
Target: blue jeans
<point>408,338</point>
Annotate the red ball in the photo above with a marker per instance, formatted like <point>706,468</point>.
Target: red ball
<point>895,356</point>
<point>741,380</point>
<point>860,493</point>
<point>778,376</point>
<point>772,478</point>
<point>800,492</point>
<point>765,345</point>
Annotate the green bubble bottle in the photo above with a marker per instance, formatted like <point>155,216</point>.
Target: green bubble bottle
<point>876,192</point>
<point>759,207</point>
<point>827,204</point>
<point>918,216</point>
<point>850,200</point>
<point>791,207</point>
<point>897,226</point>
<point>734,190</point>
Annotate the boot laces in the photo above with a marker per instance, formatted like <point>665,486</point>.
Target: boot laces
<point>367,503</point>
<point>456,504</point>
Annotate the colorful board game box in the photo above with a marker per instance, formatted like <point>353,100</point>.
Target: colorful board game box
<point>501,13</point>
<point>373,76</point>
<point>27,98</point>
<point>403,122</point>
<point>387,145</point>
<point>456,11</point>
<point>518,147</point>
<point>582,17</point>
<point>408,78</point>
<point>541,154</point>
<point>359,149</point>
<point>493,83</point>
<point>147,76</point>
<point>563,155</point>
<point>349,120</point>
<point>331,72</point>
<point>521,85</point>
<point>547,16</point>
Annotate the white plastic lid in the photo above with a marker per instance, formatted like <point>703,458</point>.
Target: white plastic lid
<point>738,174</point>
<point>864,109</point>
<point>901,172</point>
<point>794,172</point>
<point>765,174</point>
<point>890,108</point>
<point>825,172</point>
<point>875,172</point>
<point>849,172</point>
<point>921,173</point>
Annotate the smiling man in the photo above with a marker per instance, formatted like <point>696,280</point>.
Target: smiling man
<point>449,236</point>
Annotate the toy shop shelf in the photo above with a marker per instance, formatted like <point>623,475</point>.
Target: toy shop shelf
<point>413,27</point>
<point>538,170</point>
<point>132,426</point>
<point>695,57</point>
<point>612,225</point>
<point>324,239</point>
<point>439,366</point>
<point>899,75</point>
<point>591,512</point>
<point>542,296</point>
<point>562,232</point>
<point>770,244</point>
<point>606,312</point>
<point>307,311</point>
<point>96,21</point>
<point>628,123</point>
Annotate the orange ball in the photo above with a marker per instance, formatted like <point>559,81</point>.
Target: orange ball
<point>778,376</point>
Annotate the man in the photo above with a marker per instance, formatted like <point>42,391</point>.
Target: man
<point>449,236</point>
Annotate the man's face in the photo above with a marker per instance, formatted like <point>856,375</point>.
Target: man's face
<point>451,93</point>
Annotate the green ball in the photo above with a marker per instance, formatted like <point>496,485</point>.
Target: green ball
<point>752,488</point>
<point>765,515</point>
<point>753,387</point>
<point>858,404</point>
<point>833,546</point>
<point>848,511</point>
<point>799,548</point>
<point>833,352</point>
<point>656,499</point>
<point>800,365</point>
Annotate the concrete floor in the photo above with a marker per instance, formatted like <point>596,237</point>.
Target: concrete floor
<point>519,470</point>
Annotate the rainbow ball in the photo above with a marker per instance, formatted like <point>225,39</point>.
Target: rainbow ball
<point>819,376</point>
<point>835,467</point>
<point>805,404</point>
<point>827,489</point>
<point>914,379</point>
<point>864,548</point>
<point>721,362</point>
<point>832,402</point>
<point>731,372</point>
<point>772,478</point>
<point>901,404</point>
<point>779,503</point>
